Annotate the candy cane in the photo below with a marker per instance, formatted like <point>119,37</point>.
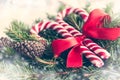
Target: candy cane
<point>90,55</point>
<point>49,25</point>
<point>68,11</point>
<point>60,29</point>
<point>87,42</point>
<point>96,48</point>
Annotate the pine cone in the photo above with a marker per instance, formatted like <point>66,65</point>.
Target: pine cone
<point>4,42</point>
<point>29,48</point>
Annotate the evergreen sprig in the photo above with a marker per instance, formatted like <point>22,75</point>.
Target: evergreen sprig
<point>19,31</point>
<point>109,9</point>
<point>87,7</point>
<point>75,21</point>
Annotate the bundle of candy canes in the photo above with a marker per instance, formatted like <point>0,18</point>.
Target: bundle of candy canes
<point>80,43</point>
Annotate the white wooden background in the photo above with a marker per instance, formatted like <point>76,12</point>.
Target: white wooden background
<point>29,10</point>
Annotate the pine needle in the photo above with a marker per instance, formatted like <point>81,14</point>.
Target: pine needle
<point>109,8</point>
<point>19,31</point>
<point>87,7</point>
<point>75,21</point>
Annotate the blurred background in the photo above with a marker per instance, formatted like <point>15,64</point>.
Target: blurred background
<point>29,10</point>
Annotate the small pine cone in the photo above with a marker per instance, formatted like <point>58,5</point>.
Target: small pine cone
<point>29,48</point>
<point>5,42</point>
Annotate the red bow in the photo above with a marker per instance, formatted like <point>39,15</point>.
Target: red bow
<point>94,27</point>
<point>74,58</point>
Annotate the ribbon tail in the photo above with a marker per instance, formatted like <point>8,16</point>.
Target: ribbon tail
<point>74,58</point>
<point>108,33</point>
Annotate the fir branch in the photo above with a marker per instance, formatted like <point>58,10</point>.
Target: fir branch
<point>19,31</point>
<point>87,7</point>
<point>37,20</point>
<point>108,8</point>
<point>74,20</point>
<point>115,21</point>
<point>115,17</point>
<point>61,7</point>
<point>16,71</point>
<point>50,17</point>
<point>49,35</point>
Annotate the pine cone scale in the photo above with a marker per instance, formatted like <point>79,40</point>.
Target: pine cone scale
<point>29,48</point>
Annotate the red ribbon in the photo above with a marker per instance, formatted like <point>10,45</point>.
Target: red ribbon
<point>74,58</point>
<point>94,27</point>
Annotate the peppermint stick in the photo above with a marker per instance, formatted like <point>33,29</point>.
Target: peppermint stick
<point>61,30</point>
<point>87,42</point>
<point>49,25</point>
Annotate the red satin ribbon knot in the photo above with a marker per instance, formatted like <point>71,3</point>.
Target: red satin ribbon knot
<point>74,58</point>
<point>94,27</point>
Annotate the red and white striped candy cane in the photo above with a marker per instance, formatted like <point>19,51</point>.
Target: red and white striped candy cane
<point>87,42</point>
<point>49,25</point>
<point>60,29</point>
<point>68,11</point>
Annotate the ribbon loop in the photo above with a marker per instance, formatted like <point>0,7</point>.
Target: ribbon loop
<point>60,45</point>
<point>94,27</point>
<point>74,58</point>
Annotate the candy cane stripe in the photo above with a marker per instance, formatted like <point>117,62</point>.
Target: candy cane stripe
<point>33,30</point>
<point>36,28</point>
<point>39,24</point>
<point>68,10</point>
<point>46,25</point>
<point>61,31</point>
<point>50,25</point>
<point>64,13</point>
<point>97,49</point>
<point>42,26</point>
<point>71,11</point>
<point>94,47</point>
<point>91,56</point>
<point>63,24</point>
<point>56,27</point>
<point>77,34</point>
<point>96,63</point>
<point>76,10</point>
<point>72,31</point>
<point>90,44</point>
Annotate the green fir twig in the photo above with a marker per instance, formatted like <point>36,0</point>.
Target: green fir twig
<point>19,31</point>
<point>74,20</point>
